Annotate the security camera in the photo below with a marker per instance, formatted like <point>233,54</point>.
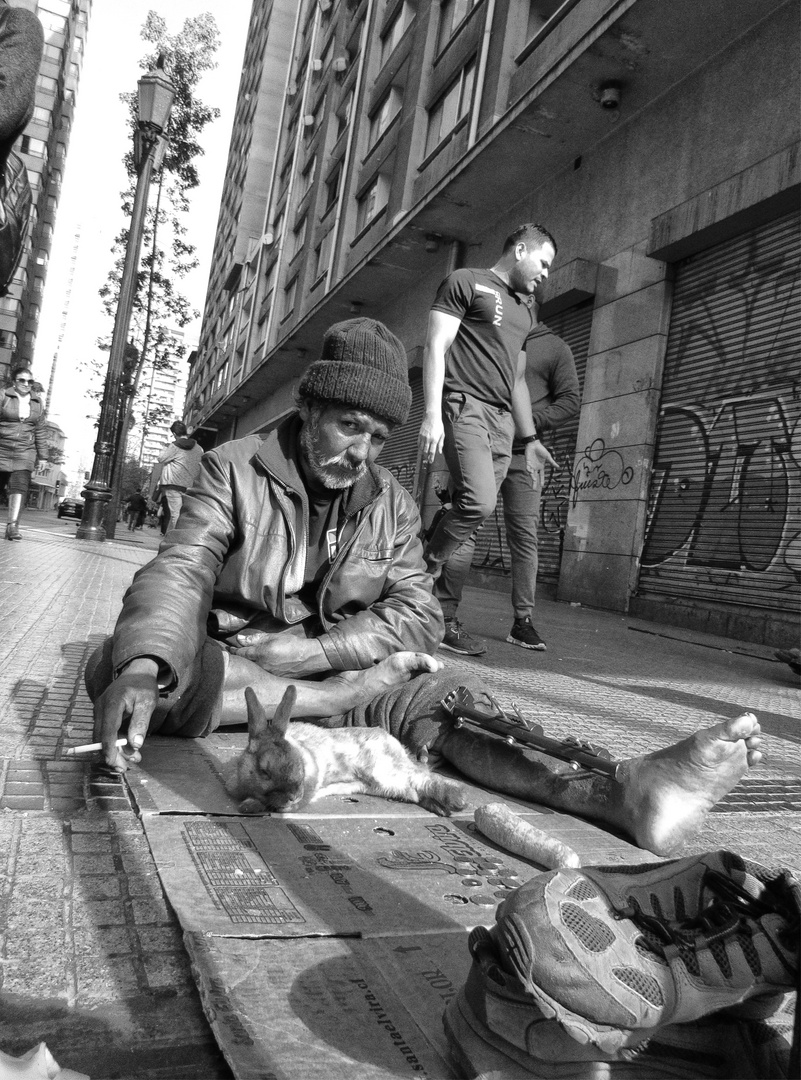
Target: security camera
<point>610,96</point>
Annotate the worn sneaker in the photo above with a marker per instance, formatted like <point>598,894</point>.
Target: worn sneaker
<point>494,1029</point>
<point>612,952</point>
<point>524,635</point>
<point>459,641</point>
<point>12,531</point>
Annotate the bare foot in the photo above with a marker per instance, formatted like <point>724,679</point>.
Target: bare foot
<point>668,793</point>
<point>394,671</point>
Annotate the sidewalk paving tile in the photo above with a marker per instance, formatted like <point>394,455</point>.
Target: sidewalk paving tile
<point>92,958</point>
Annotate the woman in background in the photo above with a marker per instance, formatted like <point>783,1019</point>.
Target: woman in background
<point>23,442</point>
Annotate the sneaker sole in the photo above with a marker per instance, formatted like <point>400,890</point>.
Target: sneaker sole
<point>521,644</point>
<point>482,1055</point>
<point>462,652</point>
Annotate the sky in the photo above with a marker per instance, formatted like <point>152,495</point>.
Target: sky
<point>94,176</point>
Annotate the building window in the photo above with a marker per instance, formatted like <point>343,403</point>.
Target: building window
<point>42,116</point>
<point>452,107</point>
<point>372,202</point>
<point>269,279</point>
<point>278,227</point>
<point>33,147</point>
<point>539,12</point>
<point>322,255</point>
<point>286,172</point>
<point>307,177</point>
<point>57,7</point>
<point>44,82</point>
<point>332,188</point>
<point>298,237</point>
<point>343,113</point>
<point>53,52</point>
<point>452,15</point>
<point>388,109</point>
<point>394,32</point>
<point>51,21</point>
<point>288,305</point>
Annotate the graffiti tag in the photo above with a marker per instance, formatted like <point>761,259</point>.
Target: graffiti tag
<point>599,469</point>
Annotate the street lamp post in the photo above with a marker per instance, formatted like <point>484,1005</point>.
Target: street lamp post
<point>156,93</point>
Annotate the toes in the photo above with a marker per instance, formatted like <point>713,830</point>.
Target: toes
<point>753,757</point>
<point>741,727</point>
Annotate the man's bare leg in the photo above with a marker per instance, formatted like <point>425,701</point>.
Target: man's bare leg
<point>659,799</point>
<point>328,697</point>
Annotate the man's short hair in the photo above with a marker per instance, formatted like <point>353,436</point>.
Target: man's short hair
<point>178,428</point>
<point>529,234</point>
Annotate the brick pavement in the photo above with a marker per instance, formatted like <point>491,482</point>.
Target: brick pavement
<point>91,958</point>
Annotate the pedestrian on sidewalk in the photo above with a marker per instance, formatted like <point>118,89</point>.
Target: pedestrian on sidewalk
<point>298,563</point>
<point>135,510</point>
<point>23,443</point>
<point>174,473</point>
<point>553,387</point>
<point>477,400</point>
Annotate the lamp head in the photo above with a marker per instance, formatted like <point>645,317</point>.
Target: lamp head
<point>156,94</point>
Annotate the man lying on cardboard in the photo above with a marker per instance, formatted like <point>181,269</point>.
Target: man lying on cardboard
<point>296,559</point>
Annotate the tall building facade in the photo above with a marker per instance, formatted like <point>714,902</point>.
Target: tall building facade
<point>165,393</point>
<point>43,148</point>
<point>658,144</point>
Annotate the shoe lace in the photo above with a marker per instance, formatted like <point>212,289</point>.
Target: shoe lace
<point>731,913</point>
<point>456,628</point>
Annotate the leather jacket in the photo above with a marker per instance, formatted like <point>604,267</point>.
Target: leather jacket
<point>237,555</point>
<point>21,441</point>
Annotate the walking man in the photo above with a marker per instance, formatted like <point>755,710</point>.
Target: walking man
<point>477,401</point>
<point>555,397</point>
<point>175,471</point>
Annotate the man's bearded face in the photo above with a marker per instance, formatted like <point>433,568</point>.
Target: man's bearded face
<point>338,443</point>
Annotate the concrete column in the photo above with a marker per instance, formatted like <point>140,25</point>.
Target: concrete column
<point>617,429</point>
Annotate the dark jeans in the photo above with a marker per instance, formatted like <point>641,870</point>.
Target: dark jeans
<point>521,514</point>
<point>21,41</point>
<point>477,449</point>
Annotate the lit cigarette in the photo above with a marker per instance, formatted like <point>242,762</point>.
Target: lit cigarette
<point>87,748</point>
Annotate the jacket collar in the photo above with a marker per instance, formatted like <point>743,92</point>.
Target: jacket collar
<point>33,396</point>
<point>278,453</point>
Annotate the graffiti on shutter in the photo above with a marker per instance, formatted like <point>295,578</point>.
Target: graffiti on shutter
<point>724,514</point>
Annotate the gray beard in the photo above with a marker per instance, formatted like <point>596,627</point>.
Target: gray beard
<point>330,472</point>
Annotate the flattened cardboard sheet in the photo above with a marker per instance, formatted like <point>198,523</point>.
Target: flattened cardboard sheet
<point>296,877</point>
<point>332,1008</point>
<point>186,776</point>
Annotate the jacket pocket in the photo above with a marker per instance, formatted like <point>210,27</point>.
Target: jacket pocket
<point>372,554</point>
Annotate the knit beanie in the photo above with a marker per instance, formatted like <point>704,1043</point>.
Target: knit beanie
<point>364,365</point>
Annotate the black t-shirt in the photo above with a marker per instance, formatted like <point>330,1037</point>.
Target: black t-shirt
<point>324,508</point>
<point>495,322</point>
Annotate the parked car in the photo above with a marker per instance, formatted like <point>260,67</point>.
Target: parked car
<point>70,508</point>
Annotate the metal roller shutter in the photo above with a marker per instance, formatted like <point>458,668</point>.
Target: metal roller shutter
<point>400,453</point>
<point>724,521</point>
<point>492,554</point>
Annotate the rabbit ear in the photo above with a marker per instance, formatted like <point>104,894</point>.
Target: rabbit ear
<point>258,721</point>
<point>283,713</point>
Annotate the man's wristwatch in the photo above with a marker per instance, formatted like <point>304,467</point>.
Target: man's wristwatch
<point>524,440</point>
